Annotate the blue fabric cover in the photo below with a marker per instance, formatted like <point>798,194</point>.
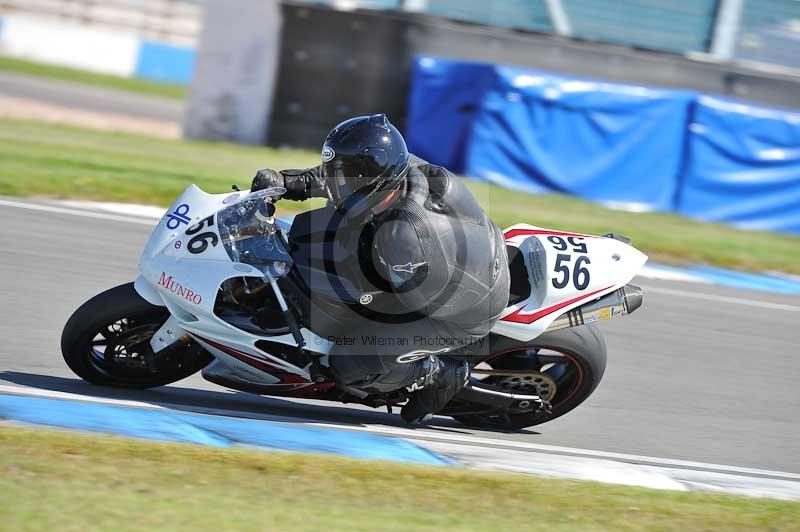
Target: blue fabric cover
<point>603,141</point>
<point>444,98</point>
<point>624,145</point>
<point>743,166</point>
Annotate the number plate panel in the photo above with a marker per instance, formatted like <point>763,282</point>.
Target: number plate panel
<point>577,268</point>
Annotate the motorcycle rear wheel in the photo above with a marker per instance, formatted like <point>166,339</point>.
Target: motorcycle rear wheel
<point>568,364</point>
<point>107,342</point>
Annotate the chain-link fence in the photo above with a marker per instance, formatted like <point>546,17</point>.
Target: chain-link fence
<point>170,21</point>
<point>770,32</point>
<point>760,30</point>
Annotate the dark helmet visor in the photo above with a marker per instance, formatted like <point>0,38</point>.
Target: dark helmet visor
<point>359,173</point>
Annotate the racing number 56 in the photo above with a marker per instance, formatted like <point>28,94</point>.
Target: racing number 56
<point>200,243</point>
<point>580,275</point>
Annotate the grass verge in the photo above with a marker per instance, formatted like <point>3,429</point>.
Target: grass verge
<point>62,161</point>
<point>67,481</point>
<point>141,86</point>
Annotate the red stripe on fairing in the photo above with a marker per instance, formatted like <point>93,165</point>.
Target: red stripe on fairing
<point>250,360</point>
<point>545,232</point>
<point>518,317</point>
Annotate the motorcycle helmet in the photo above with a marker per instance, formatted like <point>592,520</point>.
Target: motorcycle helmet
<point>363,159</point>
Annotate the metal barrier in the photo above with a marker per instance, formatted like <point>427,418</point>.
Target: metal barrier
<point>760,30</point>
<point>169,21</point>
<point>770,32</point>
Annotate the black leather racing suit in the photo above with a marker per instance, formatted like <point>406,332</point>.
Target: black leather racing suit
<point>425,276</point>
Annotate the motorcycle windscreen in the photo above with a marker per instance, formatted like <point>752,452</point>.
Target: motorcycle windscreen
<point>249,234</point>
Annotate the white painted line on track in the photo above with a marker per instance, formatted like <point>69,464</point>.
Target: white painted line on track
<point>147,214</point>
<point>76,212</point>
<point>424,434</point>
<point>52,394</point>
<point>722,299</point>
<point>784,275</point>
<point>146,219</point>
<point>123,209</point>
<point>650,271</point>
<point>614,472</point>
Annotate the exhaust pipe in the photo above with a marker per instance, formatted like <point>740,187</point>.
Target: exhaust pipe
<point>482,395</point>
<point>624,301</point>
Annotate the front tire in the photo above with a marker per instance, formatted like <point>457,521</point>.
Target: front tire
<point>571,361</point>
<point>107,342</point>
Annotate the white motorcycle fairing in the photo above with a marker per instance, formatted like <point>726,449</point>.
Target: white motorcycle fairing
<point>184,265</point>
<point>565,270</point>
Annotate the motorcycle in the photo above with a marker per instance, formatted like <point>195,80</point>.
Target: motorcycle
<point>219,292</point>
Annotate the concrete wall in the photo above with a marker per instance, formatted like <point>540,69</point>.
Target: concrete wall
<point>232,92</point>
<point>97,49</point>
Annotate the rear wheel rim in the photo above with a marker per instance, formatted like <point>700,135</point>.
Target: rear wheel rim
<point>558,368</point>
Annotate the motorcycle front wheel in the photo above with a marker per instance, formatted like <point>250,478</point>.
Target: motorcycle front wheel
<point>562,367</point>
<point>107,342</point>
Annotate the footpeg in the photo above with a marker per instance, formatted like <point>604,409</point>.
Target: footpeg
<point>317,371</point>
<point>539,406</point>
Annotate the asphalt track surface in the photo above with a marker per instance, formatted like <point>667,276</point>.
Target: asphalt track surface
<point>88,98</point>
<point>699,373</point>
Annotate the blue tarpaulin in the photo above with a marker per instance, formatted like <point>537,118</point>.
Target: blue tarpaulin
<point>536,131</point>
<point>630,146</point>
<point>444,98</point>
<point>743,166</point>
<point>601,141</point>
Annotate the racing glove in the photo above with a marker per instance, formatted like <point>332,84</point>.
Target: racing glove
<point>266,178</point>
<point>299,184</point>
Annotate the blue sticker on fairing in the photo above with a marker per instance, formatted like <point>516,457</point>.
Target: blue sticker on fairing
<point>179,216</point>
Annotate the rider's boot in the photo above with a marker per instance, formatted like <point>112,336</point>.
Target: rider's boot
<point>444,379</point>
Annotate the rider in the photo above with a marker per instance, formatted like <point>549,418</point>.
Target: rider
<point>426,269</point>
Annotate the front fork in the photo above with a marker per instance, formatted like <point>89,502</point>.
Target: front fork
<point>169,333</point>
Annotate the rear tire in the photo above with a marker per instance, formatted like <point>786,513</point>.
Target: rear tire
<point>585,349</point>
<point>117,316</point>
